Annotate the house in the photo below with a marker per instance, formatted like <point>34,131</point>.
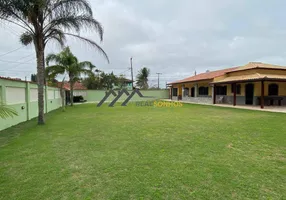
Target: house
<point>255,83</point>
<point>78,90</point>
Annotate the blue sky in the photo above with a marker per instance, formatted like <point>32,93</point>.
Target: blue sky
<point>174,38</point>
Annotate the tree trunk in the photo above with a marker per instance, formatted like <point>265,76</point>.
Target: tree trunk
<point>71,91</point>
<point>62,91</point>
<point>63,99</point>
<point>41,83</point>
<point>40,53</point>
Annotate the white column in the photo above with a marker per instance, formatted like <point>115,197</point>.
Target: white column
<point>196,90</point>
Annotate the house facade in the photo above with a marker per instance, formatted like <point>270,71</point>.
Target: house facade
<point>79,90</point>
<point>255,83</point>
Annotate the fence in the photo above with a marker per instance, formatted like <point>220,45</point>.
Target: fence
<point>23,97</point>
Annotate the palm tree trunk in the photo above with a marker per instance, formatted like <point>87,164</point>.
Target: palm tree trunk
<point>62,91</point>
<point>41,82</point>
<point>71,92</point>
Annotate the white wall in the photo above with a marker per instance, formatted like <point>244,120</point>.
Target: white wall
<point>33,95</point>
<point>15,95</point>
<point>57,94</point>
<point>80,93</point>
<point>51,94</point>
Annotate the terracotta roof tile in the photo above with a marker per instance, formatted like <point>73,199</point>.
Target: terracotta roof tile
<point>259,65</point>
<point>251,77</point>
<point>205,76</point>
<point>127,80</point>
<point>77,86</point>
<point>12,79</point>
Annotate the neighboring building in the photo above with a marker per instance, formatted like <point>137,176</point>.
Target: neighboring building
<point>78,90</point>
<point>255,83</point>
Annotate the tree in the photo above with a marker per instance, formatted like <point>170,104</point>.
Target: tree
<point>108,80</point>
<point>34,78</point>
<point>62,92</point>
<point>67,63</point>
<point>121,81</point>
<point>49,20</point>
<point>93,81</point>
<point>142,78</point>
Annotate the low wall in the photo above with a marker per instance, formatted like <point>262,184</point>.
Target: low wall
<point>175,98</point>
<point>22,96</point>
<point>240,100</point>
<point>204,100</point>
<point>200,99</point>
<point>97,95</point>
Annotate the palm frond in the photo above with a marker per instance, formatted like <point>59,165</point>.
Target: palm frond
<point>75,23</point>
<point>142,78</point>
<point>54,9</point>
<point>55,69</point>
<point>17,12</point>
<point>91,43</point>
<point>56,35</point>
<point>87,64</point>
<point>6,111</point>
<point>53,58</point>
<point>26,38</point>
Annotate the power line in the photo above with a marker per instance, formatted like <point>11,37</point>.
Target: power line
<point>15,66</point>
<point>8,28</point>
<point>10,61</point>
<point>11,51</point>
<point>124,71</point>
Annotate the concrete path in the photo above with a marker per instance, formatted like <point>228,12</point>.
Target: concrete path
<point>281,109</point>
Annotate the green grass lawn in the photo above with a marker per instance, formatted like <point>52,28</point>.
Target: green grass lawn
<point>199,152</point>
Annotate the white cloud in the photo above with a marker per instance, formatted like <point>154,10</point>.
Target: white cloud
<point>179,37</point>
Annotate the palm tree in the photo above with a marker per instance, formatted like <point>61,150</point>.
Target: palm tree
<point>6,111</point>
<point>49,20</point>
<point>67,63</point>
<point>142,78</point>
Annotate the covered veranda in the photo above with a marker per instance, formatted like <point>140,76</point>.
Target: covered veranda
<point>255,91</point>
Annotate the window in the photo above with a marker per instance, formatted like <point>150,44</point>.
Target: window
<point>175,92</point>
<point>203,91</point>
<point>273,90</point>
<point>238,88</point>
<point>221,90</point>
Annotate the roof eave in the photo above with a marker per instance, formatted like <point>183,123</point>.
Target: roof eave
<point>174,83</point>
<point>268,68</point>
<point>250,80</point>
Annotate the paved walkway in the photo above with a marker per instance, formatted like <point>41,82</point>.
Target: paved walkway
<point>281,109</point>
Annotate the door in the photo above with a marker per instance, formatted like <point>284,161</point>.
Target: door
<point>68,97</point>
<point>249,92</point>
<point>175,92</point>
<point>192,92</point>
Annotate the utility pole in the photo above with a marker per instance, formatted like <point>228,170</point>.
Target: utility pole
<point>131,71</point>
<point>159,80</point>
